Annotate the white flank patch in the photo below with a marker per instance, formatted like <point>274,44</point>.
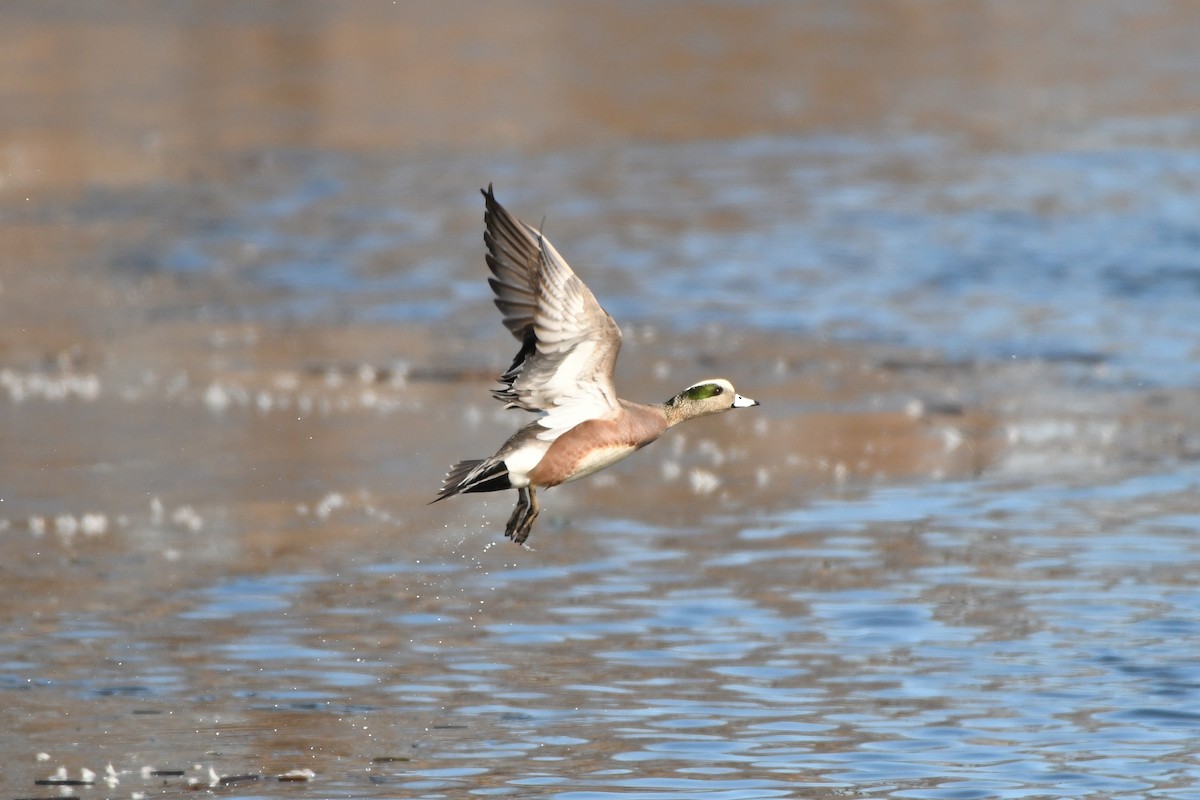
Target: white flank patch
<point>522,461</point>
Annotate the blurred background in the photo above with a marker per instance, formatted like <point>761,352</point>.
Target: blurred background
<point>953,248</point>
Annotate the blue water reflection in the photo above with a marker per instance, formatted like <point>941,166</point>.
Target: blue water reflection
<point>1086,258</point>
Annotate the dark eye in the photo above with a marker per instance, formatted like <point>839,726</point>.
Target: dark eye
<point>719,390</point>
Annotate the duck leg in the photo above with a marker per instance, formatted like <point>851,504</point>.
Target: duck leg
<point>521,521</point>
<point>535,508</point>
<point>518,514</point>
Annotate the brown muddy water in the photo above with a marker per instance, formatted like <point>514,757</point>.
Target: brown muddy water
<point>953,248</point>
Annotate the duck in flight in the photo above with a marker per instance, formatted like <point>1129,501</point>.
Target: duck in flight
<point>564,373</point>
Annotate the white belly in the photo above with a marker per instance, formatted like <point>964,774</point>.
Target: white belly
<point>599,459</point>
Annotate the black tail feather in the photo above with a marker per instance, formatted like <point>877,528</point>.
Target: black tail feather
<point>474,475</point>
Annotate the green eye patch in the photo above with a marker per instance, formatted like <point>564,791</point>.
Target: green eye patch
<point>703,391</point>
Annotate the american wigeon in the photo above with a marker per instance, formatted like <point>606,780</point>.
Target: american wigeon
<point>564,372</point>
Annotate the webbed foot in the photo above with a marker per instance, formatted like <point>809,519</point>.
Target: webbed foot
<point>527,510</point>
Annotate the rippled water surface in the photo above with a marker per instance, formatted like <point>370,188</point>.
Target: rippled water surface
<point>909,240</point>
<point>954,639</point>
<point>244,328</point>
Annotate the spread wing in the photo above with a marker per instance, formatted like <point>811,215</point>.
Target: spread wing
<point>569,344</point>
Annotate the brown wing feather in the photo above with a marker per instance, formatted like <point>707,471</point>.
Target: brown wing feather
<point>569,344</point>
